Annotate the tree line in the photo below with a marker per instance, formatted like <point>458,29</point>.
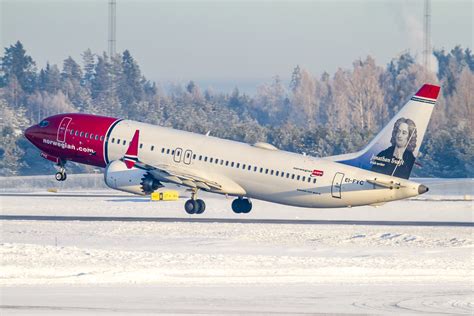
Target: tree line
<point>319,116</point>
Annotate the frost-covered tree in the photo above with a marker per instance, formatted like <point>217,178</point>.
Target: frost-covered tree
<point>17,64</point>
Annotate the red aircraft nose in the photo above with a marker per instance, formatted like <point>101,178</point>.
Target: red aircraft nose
<point>30,133</point>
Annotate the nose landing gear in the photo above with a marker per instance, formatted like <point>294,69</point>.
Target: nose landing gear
<point>61,175</point>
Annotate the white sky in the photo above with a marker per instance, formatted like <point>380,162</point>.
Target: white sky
<point>234,42</point>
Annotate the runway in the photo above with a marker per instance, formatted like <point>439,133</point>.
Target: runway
<point>102,195</point>
<point>228,221</point>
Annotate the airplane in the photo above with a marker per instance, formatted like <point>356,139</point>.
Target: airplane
<point>140,158</point>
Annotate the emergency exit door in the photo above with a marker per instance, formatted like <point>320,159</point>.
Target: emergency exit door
<point>61,137</point>
<point>336,187</point>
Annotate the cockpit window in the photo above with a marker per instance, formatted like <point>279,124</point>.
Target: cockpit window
<point>43,123</point>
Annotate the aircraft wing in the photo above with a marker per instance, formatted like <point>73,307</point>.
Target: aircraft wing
<point>180,174</point>
<point>185,177</point>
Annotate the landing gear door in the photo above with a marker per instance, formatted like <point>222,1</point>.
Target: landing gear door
<point>337,185</point>
<point>61,137</point>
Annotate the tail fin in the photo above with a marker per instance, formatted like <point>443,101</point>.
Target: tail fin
<point>394,150</point>
<point>131,156</point>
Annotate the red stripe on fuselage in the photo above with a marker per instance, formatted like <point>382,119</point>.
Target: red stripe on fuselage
<point>79,148</point>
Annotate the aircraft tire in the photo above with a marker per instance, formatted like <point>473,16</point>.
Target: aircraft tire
<point>191,206</point>
<point>236,206</point>
<point>247,206</point>
<point>240,206</point>
<point>60,176</point>
<point>201,206</point>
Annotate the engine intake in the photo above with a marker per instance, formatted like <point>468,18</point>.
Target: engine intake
<point>137,181</point>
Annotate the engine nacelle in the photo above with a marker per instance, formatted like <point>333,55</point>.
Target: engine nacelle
<point>137,181</point>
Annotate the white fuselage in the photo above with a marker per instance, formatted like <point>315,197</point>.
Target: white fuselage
<point>274,175</point>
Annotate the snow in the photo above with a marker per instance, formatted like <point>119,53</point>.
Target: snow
<point>76,267</point>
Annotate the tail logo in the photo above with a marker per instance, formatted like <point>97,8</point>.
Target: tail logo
<point>397,159</point>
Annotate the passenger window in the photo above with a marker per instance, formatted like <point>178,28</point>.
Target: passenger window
<point>96,137</point>
<point>255,169</point>
<point>152,147</point>
<point>211,160</point>
<point>102,138</point>
<point>249,168</point>
<point>217,161</point>
<point>309,180</point>
<point>243,166</point>
<point>87,135</point>
<point>298,177</point>
<point>227,163</point>
<point>92,136</point>
<point>163,150</point>
<point>200,157</point>
<point>271,172</point>
<point>238,165</point>
<point>71,132</point>
<point>194,156</point>
<point>222,162</point>
<point>266,171</point>
<point>292,176</point>
<point>167,151</point>
<point>141,146</point>
<point>124,142</point>
<point>314,180</point>
<point>282,174</point>
<point>261,170</point>
<point>205,158</point>
<point>277,173</point>
<point>188,155</point>
<point>113,140</point>
<point>77,133</point>
<point>303,179</point>
<point>172,152</point>
<point>232,164</point>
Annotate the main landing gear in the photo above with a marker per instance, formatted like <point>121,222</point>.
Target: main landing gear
<point>193,205</point>
<point>61,175</point>
<point>197,206</point>
<point>241,205</point>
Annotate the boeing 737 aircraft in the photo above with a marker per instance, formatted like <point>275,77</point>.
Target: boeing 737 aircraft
<point>140,158</point>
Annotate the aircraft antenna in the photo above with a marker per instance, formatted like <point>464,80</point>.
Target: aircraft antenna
<point>112,27</point>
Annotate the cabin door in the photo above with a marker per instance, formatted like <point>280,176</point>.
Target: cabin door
<point>61,137</point>
<point>337,185</point>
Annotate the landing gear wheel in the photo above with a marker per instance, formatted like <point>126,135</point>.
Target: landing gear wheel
<point>60,176</point>
<point>201,206</point>
<point>191,206</point>
<point>241,206</point>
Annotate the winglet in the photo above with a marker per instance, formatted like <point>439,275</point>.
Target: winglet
<point>428,91</point>
<point>131,156</point>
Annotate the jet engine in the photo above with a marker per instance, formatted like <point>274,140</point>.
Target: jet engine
<point>137,181</point>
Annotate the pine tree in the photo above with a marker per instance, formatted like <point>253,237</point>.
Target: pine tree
<point>130,87</point>
<point>16,63</point>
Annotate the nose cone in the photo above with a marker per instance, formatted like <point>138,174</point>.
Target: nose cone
<point>422,189</point>
<point>29,133</point>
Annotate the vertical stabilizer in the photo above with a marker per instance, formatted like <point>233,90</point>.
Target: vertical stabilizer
<point>394,150</point>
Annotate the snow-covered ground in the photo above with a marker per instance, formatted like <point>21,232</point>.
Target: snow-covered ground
<point>75,267</point>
